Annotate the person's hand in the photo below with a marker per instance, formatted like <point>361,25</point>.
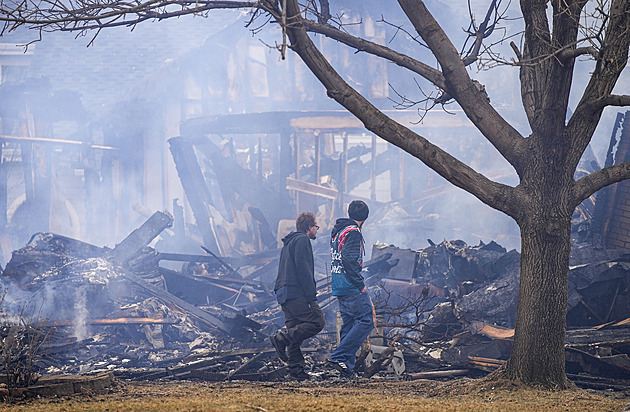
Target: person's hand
<point>364,289</point>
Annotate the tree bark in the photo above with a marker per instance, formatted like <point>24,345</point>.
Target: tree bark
<point>537,357</point>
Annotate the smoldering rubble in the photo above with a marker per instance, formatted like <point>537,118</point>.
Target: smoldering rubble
<point>445,310</point>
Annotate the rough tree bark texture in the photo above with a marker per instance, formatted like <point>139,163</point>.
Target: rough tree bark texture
<point>537,356</point>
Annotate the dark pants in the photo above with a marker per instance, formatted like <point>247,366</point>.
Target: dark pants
<point>303,319</point>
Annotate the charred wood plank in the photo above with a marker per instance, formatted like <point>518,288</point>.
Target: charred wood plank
<point>274,375</point>
<point>233,178</point>
<point>238,320</point>
<point>195,187</point>
<point>142,236</point>
<point>194,311</point>
<point>254,259</point>
<point>147,375</point>
<point>244,366</point>
<point>610,335</point>
<point>222,280</point>
<point>598,383</point>
<point>199,289</point>
<point>267,233</point>
<point>229,268</point>
<point>612,366</point>
<point>438,374</point>
<point>486,364</point>
<point>209,368</point>
<point>311,188</point>
<point>117,321</point>
<point>65,385</point>
<point>265,376</point>
<point>204,375</point>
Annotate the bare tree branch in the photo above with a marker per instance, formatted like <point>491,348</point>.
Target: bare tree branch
<point>611,100</point>
<point>428,102</point>
<point>598,92</point>
<point>485,29</point>
<point>492,193</point>
<point>85,14</point>
<point>591,183</point>
<point>324,14</point>
<point>424,70</point>
<point>566,55</point>
<point>462,88</point>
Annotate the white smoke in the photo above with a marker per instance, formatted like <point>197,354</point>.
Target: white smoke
<point>79,321</point>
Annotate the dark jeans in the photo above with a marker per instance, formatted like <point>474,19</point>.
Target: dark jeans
<point>303,319</point>
<point>358,321</point>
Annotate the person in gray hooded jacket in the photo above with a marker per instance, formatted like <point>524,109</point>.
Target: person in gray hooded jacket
<point>296,293</point>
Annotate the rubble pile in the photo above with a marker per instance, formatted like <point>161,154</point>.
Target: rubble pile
<point>442,311</point>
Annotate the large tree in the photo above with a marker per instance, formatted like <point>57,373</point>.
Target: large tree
<point>556,33</point>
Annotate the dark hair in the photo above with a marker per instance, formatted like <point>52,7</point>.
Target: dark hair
<point>305,221</point>
<point>358,210</point>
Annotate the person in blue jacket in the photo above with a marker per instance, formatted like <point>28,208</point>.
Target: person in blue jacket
<point>296,293</point>
<point>355,305</point>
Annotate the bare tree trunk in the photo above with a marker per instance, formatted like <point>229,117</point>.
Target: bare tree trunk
<point>537,357</point>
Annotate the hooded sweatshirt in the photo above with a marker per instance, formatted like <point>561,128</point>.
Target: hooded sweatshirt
<point>346,251</point>
<point>296,269</point>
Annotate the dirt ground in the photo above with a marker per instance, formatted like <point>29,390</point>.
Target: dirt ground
<point>329,395</point>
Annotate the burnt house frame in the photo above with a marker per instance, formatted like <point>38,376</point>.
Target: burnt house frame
<point>289,163</point>
<point>188,95</point>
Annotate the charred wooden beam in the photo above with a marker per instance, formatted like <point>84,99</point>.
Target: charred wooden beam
<point>259,258</point>
<point>207,289</point>
<point>233,178</point>
<point>264,376</point>
<point>62,385</point>
<point>121,321</point>
<point>486,364</point>
<point>616,366</point>
<point>195,187</point>
<point>244,366</point>
<point>312,188</point>
<point>438,374</point>
<point>194,311</point>
<point>184,257</point>
<point>596,382</point>
<point>142,236</point>
<point>229,268</point>
<point>213,366</point>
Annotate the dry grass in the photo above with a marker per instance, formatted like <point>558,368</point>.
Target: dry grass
<point>375,395</point>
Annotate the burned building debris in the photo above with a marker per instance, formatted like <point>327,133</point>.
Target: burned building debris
<point>445,310</point>
<point>151,312</point>
<point>149,308</point>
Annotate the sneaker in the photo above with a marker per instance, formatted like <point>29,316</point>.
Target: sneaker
<point>339,366</point>
<point>280,347</point>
